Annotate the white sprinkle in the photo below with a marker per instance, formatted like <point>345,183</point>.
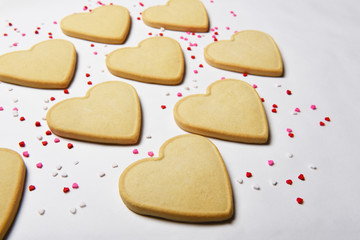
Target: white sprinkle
<point>167,94</point>
<point>15,113</point>
<point>73,210</point>
<point>43,118</point>
<point>274,183</point>
<point>187,88</point>
<point>290,155</point>
<point>294,113</point>
<point>58,167</point>
<point>82,204</point>
<point>256,187</point>
<point>41,211</point>
<point>46,100</point>
<point>54,174</point>
<point>313,167</point>
<point>277,85</point>
<point>239,180</point>
<point>39,137</point>
<point>10,89</point>
<point>102,70</point>
<point>148,137</point>
<point>162,29</point>
<point>194,80</point>
<point>114,165</point>
<point>64,175</point>
<point>101,174</point>
<point>76,162</point>
<point>45,108</point>
<point>195,86</point>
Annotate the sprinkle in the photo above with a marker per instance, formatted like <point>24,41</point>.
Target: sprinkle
<point>271,162</point>
<point>39,137</point>
<point>45,108</point>
<point>275,106</point>
<point>52,99</point>
<point>87,75</point>
<point>64,175</point>
<point>254,86</point>
<point>151,154</point>
<point>59,167</point>
<point>135,151</point>
<point>66,91</point>
<point>201,66</point>
<point>290,155</point>
<point>75,186</point>
<point>327,119</point>
<point>239,180</point>
<point>89,83</point>
<point>322,123</point>
<point>195,71</point>
<point>22,119</point>
<point>289,130</point>
<point>82,204</point>
<point>114,165</point>
<point>41,211</point>
<point>274,183</point>
<point>56,140</point>
<point>289,181</point>
<point>1,109</point>
<point>288,92</point>
<point>39,165</point>
<point>248,174</point>
<point>301,177</point>
<point>70,145</point>
<point>277,85</point>
<point>163,106</point>
<point>313,167</point>
<point>313,107</point>
<point>76,162</point>
<point>300,200</point>
<point>148,137</point>
<point>73,210</point>
<point>54,174</point>
<point>44,143</point>
<point>297,110</point>
<point>101,174</point>
<point>48,132</point>
<point>179,94</point>
<point>66,189</point>
<point>46,100</point>
<point>291,135</point>
<point>274,110</point>
<point>22,144</point>
<point>37,124</point>
<point>256,187</point>
<point>245,74</point>
<point>26,154</point>
<point>32,188</point>
<point>95,53</point>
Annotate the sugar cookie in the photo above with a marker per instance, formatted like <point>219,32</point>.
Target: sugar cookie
<point>179,15</point>
<point>188,182</point>
<point>109,113</point>
<point>230,110</point>
<point>155,60</point>
<point>105,24</point>
<point>249,51</point>
<point>48,64</point>
<point>12,178</point>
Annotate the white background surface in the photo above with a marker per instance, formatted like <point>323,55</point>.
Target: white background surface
<point>319,42</point>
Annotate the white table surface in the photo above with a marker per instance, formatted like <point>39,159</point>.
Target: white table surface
<point>320,45</point>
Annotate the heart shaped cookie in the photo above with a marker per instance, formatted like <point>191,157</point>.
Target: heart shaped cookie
<point>179,15</point>
<point>155,60</point>
<point>48,64</point>
<point>12,178</point>
<point>187,182</point>
<point>109,113</point>
<point>105,24</point>
<point>248,51</point>
<point>230,110</point>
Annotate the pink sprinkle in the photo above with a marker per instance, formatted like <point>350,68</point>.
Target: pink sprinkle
<point>150,153</point>
<point>95,53</point>
<point>39,165</point>
<point>195,44</point>
<point>297,110</point>
<point>270,162</point>
<point>56,140</point>
<point>85,8</point>
<point>15,44</point>
<point>195,71</point>
<point>254,86</point>
<point>15,109</point>
<point>313,107</point>
<point>23,34</point>
<point>1,109</point>
<point>75,186</point>
<point>222,78</point>
<point>188,33</point>
<point>234,15</point>
<point>185,39</point>
<point>289,130</point>
<point>199,36</point>
<point>232,12</point>
<point>212,30</point>
<point>141,4</point>
<point>26,154</point>
<point>216,28</point>
<point>54,22</point>
<point>181,37</point>
<point>179,94</point>
<point>227,28</point>
<point>135,151</point>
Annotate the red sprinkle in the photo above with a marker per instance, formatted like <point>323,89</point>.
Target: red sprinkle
<point>301,177</point>
<point>52,99</point>
<point>189,48</point>
<point>262,99</point>
<point>248,174</point>
<point>163,106</point>
<point>70,145</point>
<point>87,75</point>
<point>327,119</point>
<point>37,124</point>
<point>22,144</point>
<point>289,181</point>
<point>322,123</point>
<point>66,190</point>
<point>161,34</point>
<point>300,200</point>
<point>149,33</point>
<point>66,91</point>
<point>92,45</point>
<point>291,135</point>
<point>89,83</point>
<point>22,119</point>
<point>44,143</point>
<point>10,24</point>
<point>48,132</point>
<point>138,18</point>
<point>275,106</point>
<point>274,110</point>
<point>31,188</point>
<point>36,32</point>
<point>245,74</point>
<point>200,65</point>
<point>192,57</point>
<point>288,92</point>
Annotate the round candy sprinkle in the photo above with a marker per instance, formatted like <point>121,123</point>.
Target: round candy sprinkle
<point>300,200</point>
<point>66,189</point>
<point>39,165</point>
<point>270,162</point>
<point>37,124</point>
<point>151,154</point>
<point>248,174</point>
<point>32,188</point>
<point>56,140</point>
<point>70,145</point>
<point>239,180</point>
<point>327,119</point>
<point>26,154</point>
<point>73,210</point>
<point>301,177</point>
<point>322,123</point>
<point>256,187</point>
<point>82,204</point>
<point>179,94</point>
<point>22,144</point>
<point>135,151</point>
<point>41,211</point>
<point>101,174</point>
<point>289,181</point>
<point>313,107</point>
<point>75,186</point>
